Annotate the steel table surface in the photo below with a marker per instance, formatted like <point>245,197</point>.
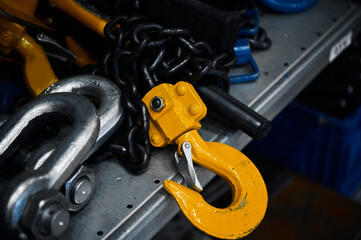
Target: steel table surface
<point>127,206</point>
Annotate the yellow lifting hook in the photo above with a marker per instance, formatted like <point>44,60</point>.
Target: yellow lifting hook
<point>38,72</point>
<point>175,119</point>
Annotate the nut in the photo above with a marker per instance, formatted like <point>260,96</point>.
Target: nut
<point>82,190</point>
<point>157,103</point>
<point>79,188</point>
<point>46,215</point>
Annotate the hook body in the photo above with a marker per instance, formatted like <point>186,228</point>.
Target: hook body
<point>249,191</point>
<point>178,122</point>
<point>37,70</point>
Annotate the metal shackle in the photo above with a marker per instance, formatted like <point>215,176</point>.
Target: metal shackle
<point>3,119</point>
<point>110,112</point>
<point>108,94</point>
<point>62,162</point>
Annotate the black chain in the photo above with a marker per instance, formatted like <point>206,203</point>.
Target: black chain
<point>142,55</point>
<point>260,40</point>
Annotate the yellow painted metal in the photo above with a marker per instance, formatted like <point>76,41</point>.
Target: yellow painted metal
<point>37,70</point>
<point>182,113</point>
<point>10,34</point>
<point>38,73</point>
<point>250,198</point>
<point>22,9</point>
<point>249,192</point>
<point>81,14</point>
<point>25,10</point>
<point>83,57</point>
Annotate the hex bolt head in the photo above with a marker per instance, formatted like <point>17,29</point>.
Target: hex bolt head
<point>81,191</point>
<point>54,220</point>
<point>46,215</point>
<point>79,188</point>
<point>157,103</point>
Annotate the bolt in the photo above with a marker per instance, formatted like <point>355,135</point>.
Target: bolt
<point>54,220</point>
<point>181,89</point>
<point>81,191</point>
<point>193,109</point>
<point>157,103</point>
<point>156,138</point>
<point>187,145</point>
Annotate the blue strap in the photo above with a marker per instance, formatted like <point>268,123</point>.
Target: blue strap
<point>244,56</point>
<point>248,16</point>
<point>289,6</point>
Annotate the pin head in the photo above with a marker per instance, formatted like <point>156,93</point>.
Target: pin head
<point>157,103</point>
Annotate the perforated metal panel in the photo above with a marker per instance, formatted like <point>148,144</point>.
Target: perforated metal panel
<point>126,206</point>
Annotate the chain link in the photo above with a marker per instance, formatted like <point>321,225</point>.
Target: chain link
<point>142,55</point>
